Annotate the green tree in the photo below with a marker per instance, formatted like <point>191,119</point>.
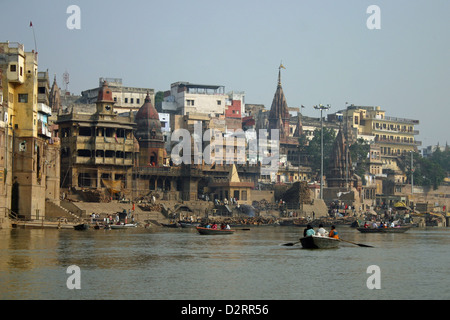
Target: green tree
<point>159,97</point>
<point>358,153</point>
<point>313,150</point>
<point>427,172</point>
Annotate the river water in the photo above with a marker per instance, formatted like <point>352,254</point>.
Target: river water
<point>180,264</point>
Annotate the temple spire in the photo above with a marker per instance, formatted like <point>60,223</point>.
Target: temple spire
<point>279,73</point>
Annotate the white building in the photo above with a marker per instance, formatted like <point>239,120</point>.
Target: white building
<point>126,99</point>
<point>184,98</point>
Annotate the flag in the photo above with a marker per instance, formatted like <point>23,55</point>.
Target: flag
<point>303,106</point>
<point>281,66</point>
<point>31,24</point>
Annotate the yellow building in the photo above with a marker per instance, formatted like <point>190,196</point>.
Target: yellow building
<point>26,143</point>
<point>395,136</point>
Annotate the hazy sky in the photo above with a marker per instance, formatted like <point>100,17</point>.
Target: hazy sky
<point>330,55</point>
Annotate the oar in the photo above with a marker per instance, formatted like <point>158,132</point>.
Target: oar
<point>290,244</point>
<point>358,244</point>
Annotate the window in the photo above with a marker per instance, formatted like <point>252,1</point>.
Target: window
<point>138,100</point>
<point>23,97</point>
<point>12,68</point>
<point>131,100</point>
<point>190,102</point>
<point>219,102</point>
<point>126,100</point>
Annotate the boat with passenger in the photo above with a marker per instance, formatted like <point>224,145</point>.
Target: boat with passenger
<point>319,242</point>
<point>398,229</point>
<point>211,231</point>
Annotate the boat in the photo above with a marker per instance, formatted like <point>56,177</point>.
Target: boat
<point>123,226</point>
<point>318,242</point>
<point>184,224</point>
<point>82,226</point>
<point>384,230</point>
<point>170,225</point>
<point>209,231</point>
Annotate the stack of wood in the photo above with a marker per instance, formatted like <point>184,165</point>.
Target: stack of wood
<point>298,192</point>
<point>150,207</point>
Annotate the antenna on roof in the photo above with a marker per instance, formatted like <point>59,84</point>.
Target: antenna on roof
<point>66,81</point>
<point>34,36</point>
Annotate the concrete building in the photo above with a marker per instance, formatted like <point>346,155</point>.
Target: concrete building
<point>126,99</point>
<point>98,150</point>
<point>30,153</point>
<point>184,98</point>
<point>395,136</point>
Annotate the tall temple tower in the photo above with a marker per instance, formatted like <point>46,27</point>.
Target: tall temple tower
<point>340,173</point>
<point>279,113</point>
<point>149,135</point>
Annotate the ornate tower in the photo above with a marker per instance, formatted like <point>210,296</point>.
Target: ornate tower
<point>105,100</point>
<point>149,135</point>
<point>340,173</point>
<point>279,113</point>
<point>55,97</point>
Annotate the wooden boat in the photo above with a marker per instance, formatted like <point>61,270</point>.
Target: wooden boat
<point>123,226</point>
<point>170,225</point>
<point>189,224</point>
<point>317,242</point>
<point>383,230</point>
<point>209,231</point>
<point>82,226</point>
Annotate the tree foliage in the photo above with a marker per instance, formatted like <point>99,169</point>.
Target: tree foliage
<point>427,172</point>
<point>313,150</point>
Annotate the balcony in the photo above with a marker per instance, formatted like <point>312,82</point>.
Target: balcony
<point>398,142</point>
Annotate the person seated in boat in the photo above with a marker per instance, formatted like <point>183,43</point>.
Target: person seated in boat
<point>222,226</point>
<point>392,224</point>
<point>309,231</point>
<point>208,226</point>
<point>321,231</point>
<point>227,227</point>
<point>214,226</point>
<point>333,233</point>
<point>374,225</point>
<point>366,225</point>
<point>381,225</point>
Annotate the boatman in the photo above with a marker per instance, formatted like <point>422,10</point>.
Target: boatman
<point>333,233</point>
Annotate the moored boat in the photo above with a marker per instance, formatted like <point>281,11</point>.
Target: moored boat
<point>383,230</point>
<point>318,242</point>
<point>170,225</point>
<point>123,226</point>
<point>209,231</point>
<point>82,226</point>
<point>189,224</point>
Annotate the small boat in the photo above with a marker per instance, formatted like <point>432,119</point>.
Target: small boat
<point>123,226</point>
<point>189,224</point>
<point>82,226</point>
<point>383,230</point>
<point>208,231</point>
<point>170,225</point>
<point>317,242</point>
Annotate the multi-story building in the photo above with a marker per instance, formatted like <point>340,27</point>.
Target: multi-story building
<point>126,99</point>
<point>395,136</point>
<point>184,98</point>
<point>98,150</point>
<point>29,150</point>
